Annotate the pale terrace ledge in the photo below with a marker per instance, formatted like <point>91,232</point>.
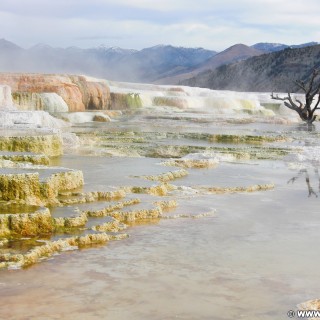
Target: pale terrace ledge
<point>22,157</point>
<point>48,144</point>
<point>26,224</point>
<point>37,186</point>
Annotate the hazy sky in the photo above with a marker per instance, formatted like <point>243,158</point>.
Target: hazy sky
<point>212,24</point>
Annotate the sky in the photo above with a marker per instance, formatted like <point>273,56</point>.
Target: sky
<point>137,24</point>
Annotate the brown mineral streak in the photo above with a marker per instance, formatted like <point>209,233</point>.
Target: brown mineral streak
<point>78,92</point>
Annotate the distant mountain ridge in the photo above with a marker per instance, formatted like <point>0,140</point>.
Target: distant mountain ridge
<point>112,63</point>
<point>273,47</point>
<point>232,54</point>
<point>274,71</point>
<point>236,52</point>
<point>163,64</point>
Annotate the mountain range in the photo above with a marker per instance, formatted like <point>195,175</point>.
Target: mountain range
<point>235,53</point>
<point>275,71</point>
<point>146,65</point>
<point>164,64</point>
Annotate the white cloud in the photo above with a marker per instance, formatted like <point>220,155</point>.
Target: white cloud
<point>213,24</point>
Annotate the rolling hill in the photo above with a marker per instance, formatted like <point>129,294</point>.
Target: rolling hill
<point>275,71</point>
<point>234,53</point>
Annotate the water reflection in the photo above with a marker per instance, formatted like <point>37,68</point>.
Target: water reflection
<point>310,127</point>
<point>305,173</point>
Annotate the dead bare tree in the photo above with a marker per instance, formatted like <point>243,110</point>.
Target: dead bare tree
<point>305,110</point>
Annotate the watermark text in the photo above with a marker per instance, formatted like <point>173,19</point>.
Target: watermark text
<point>303,314</point>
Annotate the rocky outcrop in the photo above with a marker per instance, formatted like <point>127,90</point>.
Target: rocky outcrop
<point>75,221</point>
<point>157,190</point>
<point>310,305</point>
<point>100,118</point>
<point>252,139</point>
<point>52,247</point>
<point>95,93</point>
<point>191,163</point>
<point>27,188</point>
<point>17,157</point>
<point>17,187</point>
<point>125,101</point>
<point>135,215</point>
<point>167,176</point>
<point>26,224</point>
<point>105,211</point>
<point>111,226</point>
<point>170,101</point>
<point>82,117</point>
<point>58,182</point>
<point>41,222</point>
<point>78,92</point>
<point>252,188</point>
<point>68,198</point>
<point>166,205</point>
<point>50,144</point>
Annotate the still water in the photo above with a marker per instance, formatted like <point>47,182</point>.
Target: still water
<point>255,258</point>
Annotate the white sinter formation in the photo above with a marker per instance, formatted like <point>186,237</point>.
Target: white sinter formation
<point>11,117</point>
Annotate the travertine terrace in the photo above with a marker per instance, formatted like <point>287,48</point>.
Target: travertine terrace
<point>41,200</point>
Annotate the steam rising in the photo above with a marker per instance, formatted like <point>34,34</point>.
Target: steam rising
<point>112,63</point>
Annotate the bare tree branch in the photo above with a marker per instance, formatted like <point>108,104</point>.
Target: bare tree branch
<point>300,103</point>
<point>291,101</point>
<point>301,85</point>
<point>277,97</point>
<point>288,105</point>
<point>304,110</point>
<point>315,91</point>
<point>288,102</point>
<point>317,104</point>
<point>314,75</point>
